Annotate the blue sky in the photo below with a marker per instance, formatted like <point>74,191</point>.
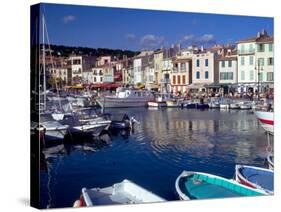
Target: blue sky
<point>117,28</point>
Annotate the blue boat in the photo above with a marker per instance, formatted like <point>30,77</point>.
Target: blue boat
<point>197,185</point>
<point>255,177</point>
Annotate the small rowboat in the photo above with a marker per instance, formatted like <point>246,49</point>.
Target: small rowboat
<point>197,185</point>
<point>125,192</point>
<point>255,177</point>
<point>266,120</point>
<point>270,161</point>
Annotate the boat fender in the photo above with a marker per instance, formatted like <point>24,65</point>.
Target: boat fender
<point>77,204</point>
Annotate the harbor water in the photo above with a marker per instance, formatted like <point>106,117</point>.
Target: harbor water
<point>163,144</point>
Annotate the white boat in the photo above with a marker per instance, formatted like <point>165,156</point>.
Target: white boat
<point>234,106</point>
<point>214,105</point>
<point>53,130</point>
<point>224,106</point>
<point>156,104</point>
<point>266,120</point>
<point>245,105</point>
<point>126,97</point>
<point>125,192</point>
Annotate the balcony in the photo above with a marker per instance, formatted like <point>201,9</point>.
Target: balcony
<point>246,52</point>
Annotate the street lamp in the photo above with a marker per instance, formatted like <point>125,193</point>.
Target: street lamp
<point>259,68</point>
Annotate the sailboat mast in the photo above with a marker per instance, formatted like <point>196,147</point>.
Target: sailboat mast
<point>44,62</point>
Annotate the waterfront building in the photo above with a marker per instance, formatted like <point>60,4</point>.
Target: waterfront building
<point>181,74</point>
<point>103,70</point>
<point>168,55</point>
<point>76,64</point>
<point>140,62</point>
<point>255,63</point>
<point>204,71</point>
<point>128,71</point>
<point>59,74</point>
<point>227,65</point>
<point>158,65</point>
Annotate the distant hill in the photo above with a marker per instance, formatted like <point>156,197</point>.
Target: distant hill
<point>65,51</point>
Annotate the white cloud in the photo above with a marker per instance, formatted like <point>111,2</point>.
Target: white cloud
<point>151,41</point>
<point>187,38</point>
<point>68,18</point>
<point>131,36</point>
<point>206,38</point>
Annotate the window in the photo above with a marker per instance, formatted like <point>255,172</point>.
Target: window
<point>101,79</point>
<point>197,75</point>
<point>179,79</point>
<point>197,62</point>
<point>242,61</point>
<point>226,76</point>
<point>270,47</point>
<point>261,61</point>
<point>251,61</point>
<point>242,48</point>
<point>223,63</point>
<point>174,80</point>
<point>183,66</point>
<point>242,75</point>
<point>206,74</point>
<point>270,76</point>
<point>270,61</point>
<point>251,48</point>
<point>206,62</point>
<point>251,75</point>
<point>95,79</point>
<point>261,47</point>
<point>229,63</point>
<point>183,79</point>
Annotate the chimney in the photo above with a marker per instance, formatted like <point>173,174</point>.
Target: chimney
<point>264,32</point>
<point>202,49</point>
<point>259,35</point>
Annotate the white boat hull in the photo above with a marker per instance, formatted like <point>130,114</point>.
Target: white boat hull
<point>113,102</point>
<point>266,120</point>
<point>125,192</point>
<point>156,104</point>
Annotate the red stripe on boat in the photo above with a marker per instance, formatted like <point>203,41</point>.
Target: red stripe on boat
<point>242,181</point>
<point>266,121</point>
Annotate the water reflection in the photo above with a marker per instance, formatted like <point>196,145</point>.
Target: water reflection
<point>164,143</point>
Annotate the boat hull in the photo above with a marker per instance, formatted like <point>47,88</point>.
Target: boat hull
<point>266,120</point>
<point>255,177</point>
<point>112,102</point>
<point>156,104</point>
<point>198,185</point>
<point>125,192</point>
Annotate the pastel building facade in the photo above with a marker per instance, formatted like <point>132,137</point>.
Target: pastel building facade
<point>256,62</point>
<point>203,68</point>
